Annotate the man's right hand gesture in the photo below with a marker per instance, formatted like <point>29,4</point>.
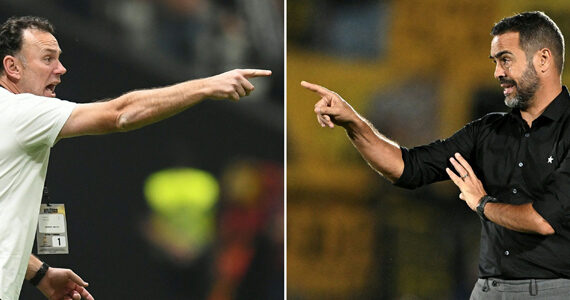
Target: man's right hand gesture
<point>381,153</point>
<point>331,109</point>
<point>233,84</point>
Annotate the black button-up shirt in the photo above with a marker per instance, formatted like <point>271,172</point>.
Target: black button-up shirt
<point>517,164</point>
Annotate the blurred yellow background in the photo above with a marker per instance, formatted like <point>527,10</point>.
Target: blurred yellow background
<point>419,70</point>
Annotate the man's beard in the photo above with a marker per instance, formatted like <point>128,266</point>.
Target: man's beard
<point>525,89</point>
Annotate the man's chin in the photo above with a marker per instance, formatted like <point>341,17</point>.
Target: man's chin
<point>516,102</point>
<point>511,102</point>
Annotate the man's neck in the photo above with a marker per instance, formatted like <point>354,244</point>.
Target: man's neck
<point>9,85</point>
<point>542,98</point>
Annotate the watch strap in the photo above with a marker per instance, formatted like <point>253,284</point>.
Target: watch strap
<point>39,274</point>
<point>481,207</point>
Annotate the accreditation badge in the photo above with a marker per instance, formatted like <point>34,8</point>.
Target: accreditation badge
<point>52,230</point>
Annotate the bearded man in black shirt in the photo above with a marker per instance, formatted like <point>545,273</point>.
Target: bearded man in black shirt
<point>513,169</point>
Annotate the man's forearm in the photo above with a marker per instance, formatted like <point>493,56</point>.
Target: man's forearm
<point>131,110</point>
<point>381,153</point>
<point>522,218</point>
<point>140,108</point>
<point>34,265</point>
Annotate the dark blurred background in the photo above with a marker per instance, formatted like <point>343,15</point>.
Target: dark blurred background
<point>132,237</point>
<point>419,71</point>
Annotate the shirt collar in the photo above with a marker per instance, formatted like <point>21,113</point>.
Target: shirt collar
<point>3,90</point>
<point>556,108</point>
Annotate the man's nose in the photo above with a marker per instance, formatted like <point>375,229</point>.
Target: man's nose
<point>60,70</point>
<point>499,71</point>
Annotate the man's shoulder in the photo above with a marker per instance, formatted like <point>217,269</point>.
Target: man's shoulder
<point>7,95</point>
<point>18,108</point>
<point>9,98</point>
<point>491,118</point>
<point>491,122</point>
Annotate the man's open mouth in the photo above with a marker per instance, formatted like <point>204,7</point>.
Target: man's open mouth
<point>507,88</point>
<point>51,89</point>
<point>508,85</point>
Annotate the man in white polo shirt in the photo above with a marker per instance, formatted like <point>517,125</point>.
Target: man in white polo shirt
<point>32,120</point>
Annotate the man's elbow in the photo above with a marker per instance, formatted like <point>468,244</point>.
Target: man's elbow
<point>392,178</point>
<point>548,231</point>
<point>545,228</point>
<point>122,122</point>
<point>541,225</point>
<point>392,175</point>
<point>124,115</point>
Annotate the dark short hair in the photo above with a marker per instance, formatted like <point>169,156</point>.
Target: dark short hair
<point>536,31</point>
<point>11,33</point>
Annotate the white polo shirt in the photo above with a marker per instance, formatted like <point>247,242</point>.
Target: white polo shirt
<point>29,126</point>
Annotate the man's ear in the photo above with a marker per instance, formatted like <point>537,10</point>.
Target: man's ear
<point>546,60</point>
<point>12,67</point>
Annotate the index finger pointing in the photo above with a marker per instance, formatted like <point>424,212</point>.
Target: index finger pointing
<point>315,88</point>
<point>249,73</point>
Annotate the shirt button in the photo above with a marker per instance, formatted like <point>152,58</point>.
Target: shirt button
<point>494,283</point>
<point>507,252</point>
<point>527,134</point>
<point>521,164</point>
<point>514,191</point>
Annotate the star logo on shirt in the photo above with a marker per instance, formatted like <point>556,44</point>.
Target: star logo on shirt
<point>550,159</point>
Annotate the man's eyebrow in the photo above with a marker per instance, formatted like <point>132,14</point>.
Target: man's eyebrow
<point>52,50</point>
<point>500,54</point>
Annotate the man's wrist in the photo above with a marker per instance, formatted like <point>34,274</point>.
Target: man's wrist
<point>357,125</point>
<point>39,274</point>
<point>481,206</point>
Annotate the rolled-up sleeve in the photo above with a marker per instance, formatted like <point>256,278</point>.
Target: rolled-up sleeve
<point>426,164</point>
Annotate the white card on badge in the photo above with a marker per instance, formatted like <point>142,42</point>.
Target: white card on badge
<point>52,230</point>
